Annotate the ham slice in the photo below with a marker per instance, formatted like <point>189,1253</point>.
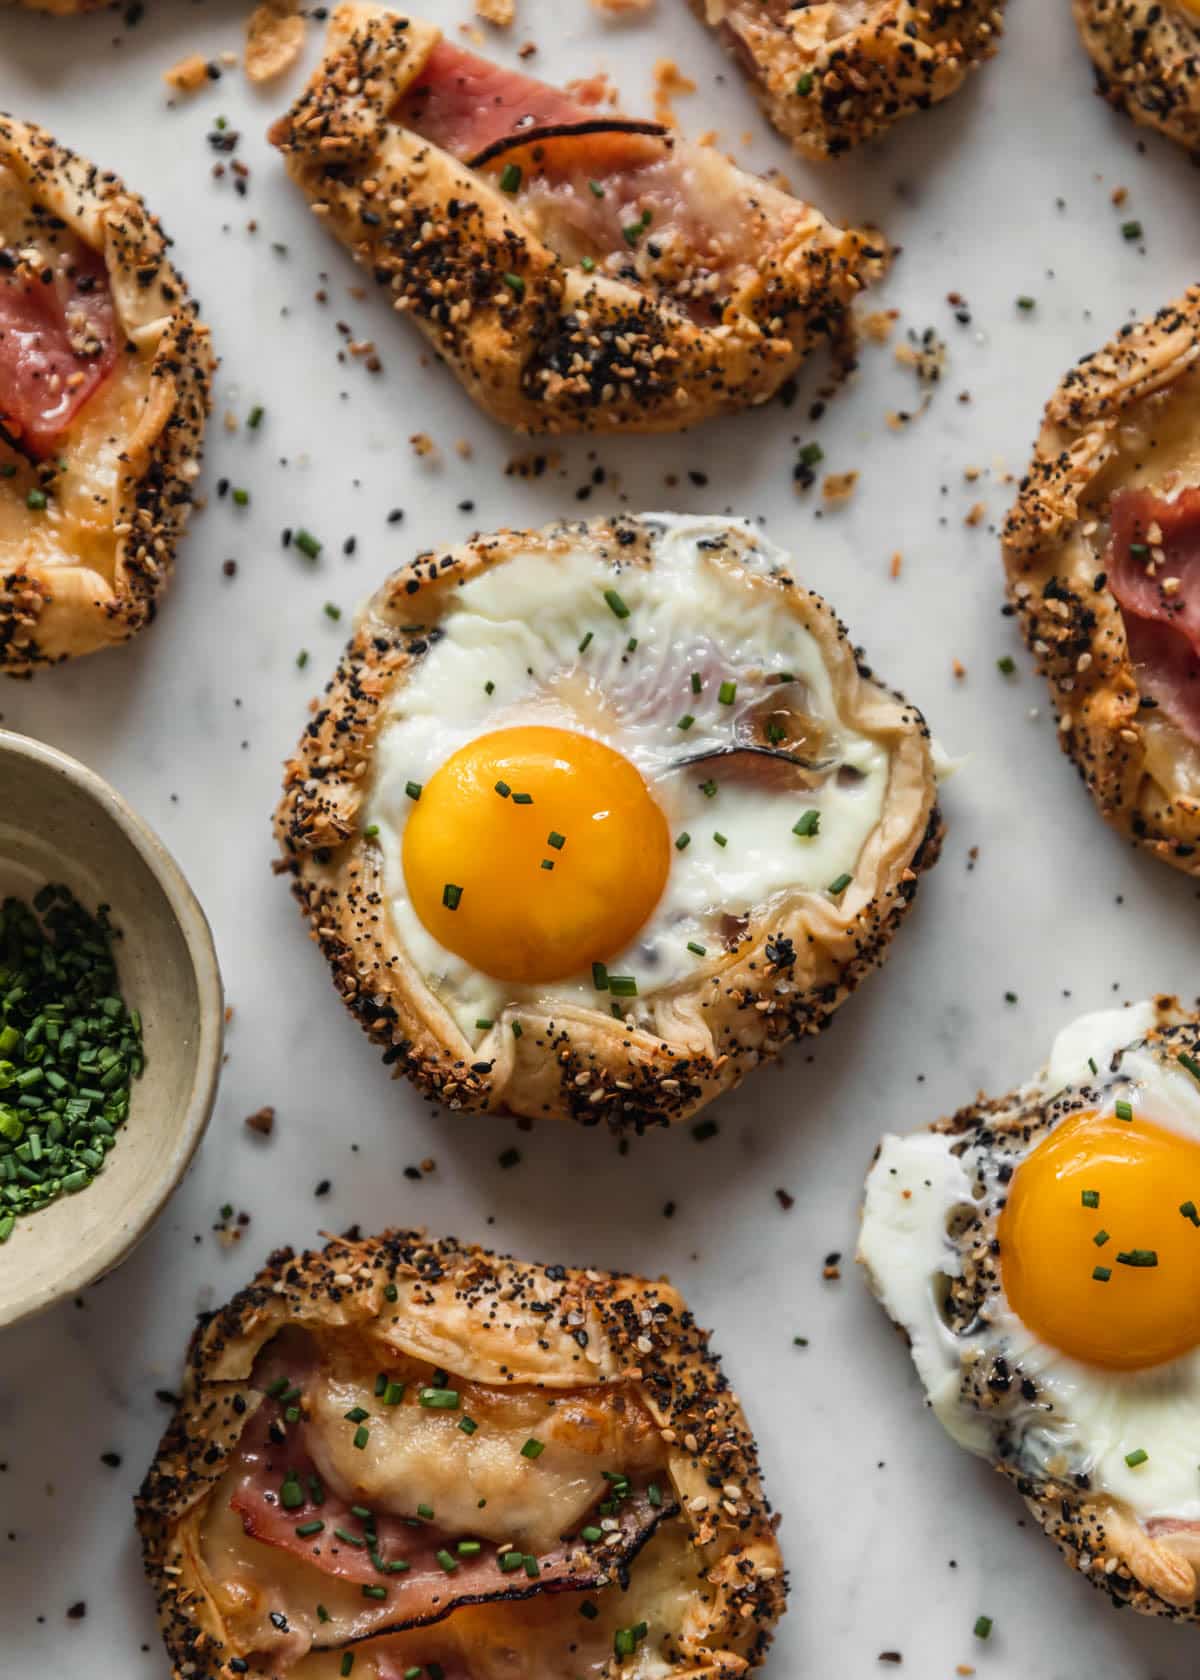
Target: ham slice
<point>280,1497</point>
<point>58,344</point>
<point>465,104</point>
<point>1160,598</point>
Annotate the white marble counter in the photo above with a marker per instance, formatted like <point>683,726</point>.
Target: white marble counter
<point>895,1539</point>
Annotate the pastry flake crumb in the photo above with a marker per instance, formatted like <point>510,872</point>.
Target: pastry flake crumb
<point>975,514</point>
<point>624,9</point>
<point>897,564</point>
<point>187,76</point>
<point>839,487</point>
<point>275,35</point>
<point>423,445</point>
<point>500,13</point>
<point>878,324</point>
<point>669,84</point>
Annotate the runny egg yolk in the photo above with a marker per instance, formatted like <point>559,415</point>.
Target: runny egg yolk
<point>1102,1195</point>
<point>534,852</point>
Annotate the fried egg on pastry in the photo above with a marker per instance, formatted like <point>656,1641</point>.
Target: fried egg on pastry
<point>401,1455</point>
<point>594,818</point>
<point>104,386</point>
<point>1102,551</point>
<point>1041,1253</point>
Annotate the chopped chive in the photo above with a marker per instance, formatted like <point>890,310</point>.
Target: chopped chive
<point>36,500</point>
<point>599,977</point>
<point>685,722</point>
<point>241,498</point>
<point>1026,303</point>
<point>533,1448</point>
<point>302,659</point>
<point>1190,1063</point>
<point>983,1627</point>
<point>349,1539</point>
<point>332,610</point>
<point>517,1029</point>
<point>1124,1109</point>
<point>291,1494</point>
<point>304,1530</point>
<point>697,950</point>
<point>503,789</point>
<point>1100,1238</point>
<point>522,799</point>
<point>622,985</point>
<point>531,1566</point>
<point>616,603</point>
<point>810,456</point>
<point>307,543</point>
<point>683,841</point>
<point>413,789</point>
<point>588,264</point>
<point>1138,1257</point>
<point>1188,1210</point>
<point>1006,665</point>
<point>726,693</point>
<point>804,83</point>
<point>356,1414</point>
<point>425,1511</point>
<point>509,1561</point>
<point>697,685</point>
<point>1101,1273</point>
<point>721,839</point>
<point>515,285</point>
<point>808,825</point>
<point>347,1662</point>
<point>440,1399</point>
<point>446,1561</point>
<point>468,1548</point>
<point>839,886</point>
<point>558,841</point>
<point>374,1592</point>
<point>1090,1198</point>
<point>1131,230</point>
<point>484,1023</point>
<point>631,645</point>
<point>489,687</point>
<point>596,190</point>
<point>586,642</point>
<point>709,789</point>
<point>255,418</point>
<point>451,896</point>
<point>390,1292</point>
<point>547,863</point>
<point>468,1425</point>
<point>393,1394</point>
<point>510,178</point>
<point>1139,1455</point>
<point>654,1495</point>
<point>591,1534</point>
<point>361,1436</point>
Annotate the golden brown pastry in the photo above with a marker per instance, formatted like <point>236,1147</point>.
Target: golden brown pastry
<point>592,820</point>
<point>104,389</point>
<point>401,1454</point>
<point>1146,56</point>
<point>59,8</point>
<point>577,270</point>
<point>832,73</point>
<point>1103,558</point>
<point>1040,1254</point>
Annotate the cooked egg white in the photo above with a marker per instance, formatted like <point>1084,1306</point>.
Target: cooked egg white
<point>546,643</point>
<point>1082,1418</point>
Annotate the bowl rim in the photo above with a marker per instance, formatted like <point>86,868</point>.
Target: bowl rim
<point>197,936</point>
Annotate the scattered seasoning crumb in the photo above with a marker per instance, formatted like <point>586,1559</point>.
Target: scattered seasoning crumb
<point>76,1612</point>
<point>831,1270</point>
<point>839,487</point>
<point>501,14</point>
<point>786,1201</point>
<point>975,514</point>
<point>669,83</point>
<point>890,1657</point>
<point>422,444</point>
<point>509,1158</point>
<point>897,563</point>
<point>262,1121</point>
<point>189,75</point>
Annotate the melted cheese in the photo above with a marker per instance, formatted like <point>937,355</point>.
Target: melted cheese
<point>478,1484</point>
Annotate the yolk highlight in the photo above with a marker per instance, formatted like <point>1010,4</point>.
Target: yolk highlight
<point>1137,1175</point>
<point>571,802</point>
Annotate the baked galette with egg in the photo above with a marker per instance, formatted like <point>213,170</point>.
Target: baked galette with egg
<point>1041,1253</point>
<point>832,73</point>
<point>591,820</point>
<point>1146,55</point>
<point>104,386</point>
<point>577,270</point>
<point>1103,556</point>
<point>401,1457</point>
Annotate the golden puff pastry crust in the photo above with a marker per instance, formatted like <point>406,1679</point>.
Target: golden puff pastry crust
<point>832,74</point>
<point>577,271</point>
<point>575,1421</point>
<point>781,972</point>
<point>93,497</point>
<point>1152,1567</point>
<point>1146,58</point>
<point>1122,423</point>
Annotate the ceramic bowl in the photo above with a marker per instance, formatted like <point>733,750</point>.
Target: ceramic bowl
<point>60,822</point>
